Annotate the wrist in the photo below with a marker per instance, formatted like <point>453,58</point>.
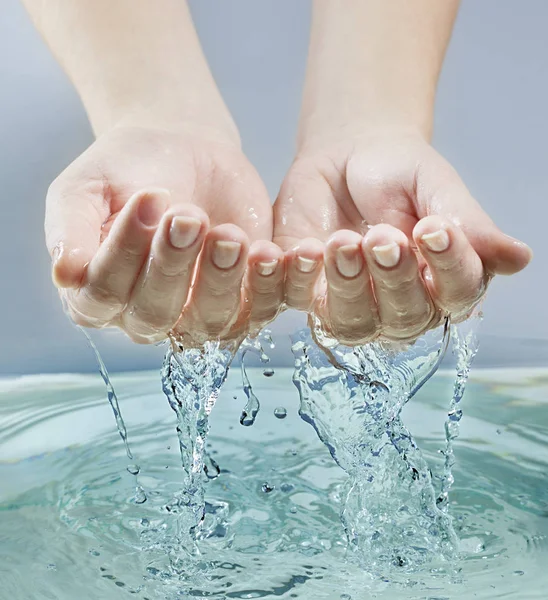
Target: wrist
<point>167,105</point>
<point>320,131</point>
<point>374,65</point>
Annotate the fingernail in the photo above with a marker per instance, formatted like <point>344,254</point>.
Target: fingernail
<point>151,208</point>
<point>437,241</point>
<point>226,254</point>
<point>387,255</point>
<point>306,265</point>
<point>266,268</point>
<point>348,260</point>
<point>184,231</point>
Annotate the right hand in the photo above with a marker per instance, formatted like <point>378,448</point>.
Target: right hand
<point>152,230</point>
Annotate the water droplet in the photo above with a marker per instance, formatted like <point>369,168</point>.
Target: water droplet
<point>133,469</point>
<point>94,552</point>
<point>268,372</point>
<point>346,597</point>
<point>280,412</point>
<point>267,488</point>
<point>287,487</point>
<point>519,573</point>
<point>140,495</point>
<point>52,567</point>
<point>247,420</point>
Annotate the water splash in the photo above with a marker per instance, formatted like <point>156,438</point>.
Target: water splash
<point>191,380</point>
<point>465,348</point>
<point>252,346</point>
<point>134,469</point>
<point>353,397</point>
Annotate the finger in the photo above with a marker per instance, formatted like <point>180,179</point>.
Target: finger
<point>217,294</point>
<point>112,273</point>
<point>456,278</point>
<point>303,265</point>
<point>444,193</point>
<point>162,287</point>
<point>75,213</point>
<point>404,305</point>
<point>264,283</point>
<point>348,312</point>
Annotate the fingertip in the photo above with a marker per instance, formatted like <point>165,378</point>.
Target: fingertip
<point>432,234</point>
<point>307,255</point>
<point>384,245</point>
<point>150,205</point>
<point>264,250</point>
<point>383,235</point>
<point>343,237</point>
<point>230,233</point>
<point>227,247</point>
<point>68,267</point>
<point>513,256</point>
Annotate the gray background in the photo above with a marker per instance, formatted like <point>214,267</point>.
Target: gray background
<point>491,123</point>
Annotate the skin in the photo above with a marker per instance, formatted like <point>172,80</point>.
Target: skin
<point>163,227</point>
<point>395,241</point>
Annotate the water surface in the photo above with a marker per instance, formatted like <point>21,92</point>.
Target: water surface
<point>69,525</point>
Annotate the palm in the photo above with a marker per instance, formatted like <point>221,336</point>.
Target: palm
<point>157,230</point>
<point>353,187</point>
<point>209,174</point>
<point>376,204</point>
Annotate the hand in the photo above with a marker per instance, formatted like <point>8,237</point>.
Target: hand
<point>405,242</point>
<point>152,230</point>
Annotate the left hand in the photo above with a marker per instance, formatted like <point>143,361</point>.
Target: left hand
<point>402,241</point>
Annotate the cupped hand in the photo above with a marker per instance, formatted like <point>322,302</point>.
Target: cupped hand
<point>383,239</point>
<point>161,232</point>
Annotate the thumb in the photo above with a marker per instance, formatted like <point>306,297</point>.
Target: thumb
<point>75,213</point>
<point>447,196</point>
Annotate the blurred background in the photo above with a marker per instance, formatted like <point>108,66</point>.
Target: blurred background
<point>491,123</point>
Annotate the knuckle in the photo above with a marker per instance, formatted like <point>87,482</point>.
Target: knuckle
<point>395,283</point>
<point>124,253</point>
<point>91,312</point>
<point>98,298</point>
<point>149,321</point>
<point>409,322</point>
<point>225,291</point>
<point>171,270</point>
<point>82,320</point>
<point>350,291</point>
<point>354,331</point>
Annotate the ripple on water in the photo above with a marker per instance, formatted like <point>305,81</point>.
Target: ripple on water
<point>68,523</point>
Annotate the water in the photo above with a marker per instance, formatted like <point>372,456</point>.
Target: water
<point>353,398</point>
<point>271,527</point>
